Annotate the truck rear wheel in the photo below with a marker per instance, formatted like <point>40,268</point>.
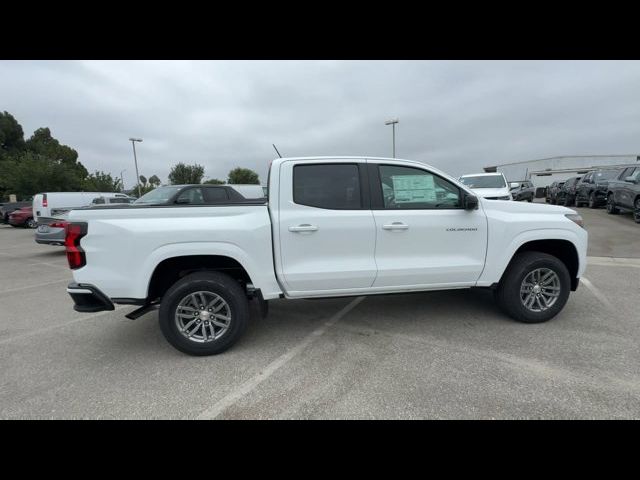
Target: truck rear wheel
<point>204,313</point>
<point>534,288</point>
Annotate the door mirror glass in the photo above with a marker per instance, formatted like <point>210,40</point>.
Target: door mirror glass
<point>513,185</point>
<point>470,202</point>
<point>630,179</point>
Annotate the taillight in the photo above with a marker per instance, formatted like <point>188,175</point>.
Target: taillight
<point>75,255</point>
<point>44,200</point>
<point>58,224</point>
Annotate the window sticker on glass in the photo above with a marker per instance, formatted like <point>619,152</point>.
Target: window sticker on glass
<point>413,188</point>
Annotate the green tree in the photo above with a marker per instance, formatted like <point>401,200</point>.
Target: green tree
<point>146,185</point>
<point>28,173</point>
<point>214,181</point>
<point>42,143</point>
<point>154,181</point>
<point>11,135</point>
<point>243,176</point>
<point>182,174</point>
<point>101,182</point>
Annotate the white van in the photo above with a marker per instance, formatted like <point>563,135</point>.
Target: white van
<point>50,204</point>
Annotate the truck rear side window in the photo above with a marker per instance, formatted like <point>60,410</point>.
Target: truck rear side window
<point>333,186</point>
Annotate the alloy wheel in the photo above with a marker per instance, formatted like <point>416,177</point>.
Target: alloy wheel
<point>540,289</point>
<point>203,316</point>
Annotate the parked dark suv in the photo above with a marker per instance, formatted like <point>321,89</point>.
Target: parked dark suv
<point>623,192</point>
<point>201,194</point>
<point>523,190</point>
<point>567,194</point>
<point>592,189</point>
<point>552,192</point>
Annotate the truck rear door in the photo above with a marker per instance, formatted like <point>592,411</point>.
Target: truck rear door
<point>326,229</point>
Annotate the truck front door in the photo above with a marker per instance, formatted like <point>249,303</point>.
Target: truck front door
<point>424,236</point>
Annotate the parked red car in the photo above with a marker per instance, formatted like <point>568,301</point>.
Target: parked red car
<point>23,218</point>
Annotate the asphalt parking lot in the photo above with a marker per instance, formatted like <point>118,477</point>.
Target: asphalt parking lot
<point>425,355</point>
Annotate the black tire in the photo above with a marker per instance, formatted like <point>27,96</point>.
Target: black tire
<point>576,202</point>
<point>508,291</point>
<point>636,211</point>
<point>530,199</point>
<point>215,282</point>
<point>592,200</point>
<point>568,201</point>
<point>611,206</point>
<point>31,223</point>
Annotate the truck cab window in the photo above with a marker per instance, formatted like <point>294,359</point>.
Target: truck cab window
<point>411,188</point>
<point>333,186</point>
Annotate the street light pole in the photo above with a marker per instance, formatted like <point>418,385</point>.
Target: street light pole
<point>135,159</point>
<point>393,126</point>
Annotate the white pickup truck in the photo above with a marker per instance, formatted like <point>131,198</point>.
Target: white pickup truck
<point>331,227</point>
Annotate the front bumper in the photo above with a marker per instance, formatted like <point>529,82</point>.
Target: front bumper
<point>88,298</point>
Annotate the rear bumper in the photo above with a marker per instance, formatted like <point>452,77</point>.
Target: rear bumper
<point>88,298</point>
<point>47,241</point>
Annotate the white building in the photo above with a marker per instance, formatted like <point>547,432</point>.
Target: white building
<point>544,171</point>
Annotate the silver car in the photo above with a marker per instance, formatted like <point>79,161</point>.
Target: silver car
<point>51,230</point>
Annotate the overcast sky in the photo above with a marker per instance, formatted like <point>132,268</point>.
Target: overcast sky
<point>456,115</point>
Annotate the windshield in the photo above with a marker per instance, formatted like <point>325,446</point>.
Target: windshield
<point>484,181</point>
<point>158,196</point>
<point>605,175</point>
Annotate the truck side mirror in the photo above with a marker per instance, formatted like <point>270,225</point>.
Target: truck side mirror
<point>470,202</point>
<point>630,179</point>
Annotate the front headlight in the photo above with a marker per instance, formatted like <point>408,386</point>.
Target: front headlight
<point>575,218</point>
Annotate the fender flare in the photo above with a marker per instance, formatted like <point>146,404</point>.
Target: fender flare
<point>172,250</point>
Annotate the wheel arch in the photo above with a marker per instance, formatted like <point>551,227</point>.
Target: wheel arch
<point>172,269</point>
<point>562,249</point>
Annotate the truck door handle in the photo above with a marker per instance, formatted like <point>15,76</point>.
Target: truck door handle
<point>305,227</point>
<point>395,226</point>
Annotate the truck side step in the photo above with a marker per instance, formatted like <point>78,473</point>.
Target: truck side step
<point>142,310</point>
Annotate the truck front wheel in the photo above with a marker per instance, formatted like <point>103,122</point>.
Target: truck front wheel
<point>204,313</point>
<point>534,288</point>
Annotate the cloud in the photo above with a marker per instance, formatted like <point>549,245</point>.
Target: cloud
<point>456,115</point>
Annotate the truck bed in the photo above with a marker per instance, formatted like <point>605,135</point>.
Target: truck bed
<point>126,243</point>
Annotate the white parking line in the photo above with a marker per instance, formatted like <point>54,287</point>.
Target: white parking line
<point>270,369</point>
<point>35,285</point>
<point>598,294</point>
<point>53,327</point>
<point>614,262</point>
<point>62,265</point>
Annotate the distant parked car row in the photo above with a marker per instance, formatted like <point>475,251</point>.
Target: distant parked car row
<point>49,211</point>
<point>617,188</point>
<point>8,208</point>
